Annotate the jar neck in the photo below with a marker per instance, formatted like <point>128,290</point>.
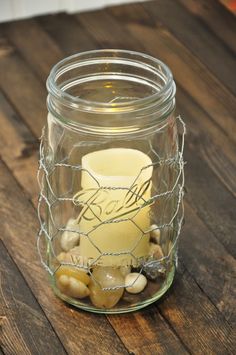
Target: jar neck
<point>111,92</point>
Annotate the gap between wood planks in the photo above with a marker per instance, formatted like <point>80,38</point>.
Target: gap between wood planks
<point>221,22</point>
<point>225,175</point>
<point>13,35</point>
<point>77,331</point>
<point>189,72</point>
<point>220,236</point>
<point>25,134</point>
<point>92,21</point>
<point>165,327</point>
<point>216,170</point>
<point>162,327</point>
<point>98,25</point>
<point>62,318</point>
<point>196,36</point>
<point>24,327</point>
<point>181,300</point>
<point>213,227</point>
<point>57,55</point>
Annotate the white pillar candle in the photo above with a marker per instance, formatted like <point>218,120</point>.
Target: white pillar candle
<point>116,184</point>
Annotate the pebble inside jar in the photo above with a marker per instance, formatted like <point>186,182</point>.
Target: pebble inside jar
<point>112,181</point>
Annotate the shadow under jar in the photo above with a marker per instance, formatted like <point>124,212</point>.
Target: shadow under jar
<point>111,181</point>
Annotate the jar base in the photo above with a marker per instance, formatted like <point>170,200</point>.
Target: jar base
<point>130,308</point>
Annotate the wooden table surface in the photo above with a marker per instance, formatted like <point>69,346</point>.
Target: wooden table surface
<point>197,39</point>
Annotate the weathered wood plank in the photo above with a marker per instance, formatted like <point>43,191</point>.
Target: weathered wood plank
<point>38,60</point>
<point>212,202</point>
<point>18,149</point>
<point>210,141</point>
<point>204,88</point>
<point>195,319</point>
<point>197,344</point>
<point>219,228</point>
<point>21,87</point>
<point>209,157</point>
<point>105,30</point>
<point>65,30</point>
<point>207,138</point>
<point>215,17</point>
<point>209,264</point>
<point>93,15</point>
<point>189,72</point>
<point>140,344</point>
<point>201,42</point>
<point>24,327</point>
<point>195,272</point>
<point>174,342</point>
<point>204,194</point>
<point>146,332</point>
<point>133,12</point>
<point>78,331</point>
<point>216,224</point>
<point>104,25</point>
<point>60,313</point>
<point>36,45</point>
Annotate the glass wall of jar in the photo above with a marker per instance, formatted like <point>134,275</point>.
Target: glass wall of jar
<point>111,180</point>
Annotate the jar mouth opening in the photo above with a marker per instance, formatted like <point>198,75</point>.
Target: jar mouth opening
<point>73,70</point>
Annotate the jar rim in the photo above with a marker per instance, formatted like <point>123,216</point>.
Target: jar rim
<point>164,95</point>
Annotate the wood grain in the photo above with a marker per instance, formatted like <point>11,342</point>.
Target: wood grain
<point>18,149</point>
<point>201,42</point>
<point>194,38</point>
<point>37,53</point>
<point>21,87</point>
<point>66,31</point>
<point>216,18</point>
<point>206,138</point>
<point>210,140</point>
<point>105,30</point>
<point>205,88</point>
<point>46,297</point>
<point>210,265</point>
<point>97,27</point>
<point>78,331</point>
<point>146,332</point>
<point>216,209</point>
<point>203,281</point>
<point>24,328</point>
<point>185,308</point>
<point>175,343</point>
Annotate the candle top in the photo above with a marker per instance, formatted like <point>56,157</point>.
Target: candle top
<point>117,166</point>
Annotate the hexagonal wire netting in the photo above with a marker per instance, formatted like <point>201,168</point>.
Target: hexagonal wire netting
<point>151,266</point>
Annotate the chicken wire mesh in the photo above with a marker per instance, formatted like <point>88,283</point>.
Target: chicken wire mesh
<point>48,199</point>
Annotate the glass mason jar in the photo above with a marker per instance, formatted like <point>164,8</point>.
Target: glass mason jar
<point>111,177</point>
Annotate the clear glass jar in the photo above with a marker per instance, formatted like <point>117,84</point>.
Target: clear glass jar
<point>111,181</point>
